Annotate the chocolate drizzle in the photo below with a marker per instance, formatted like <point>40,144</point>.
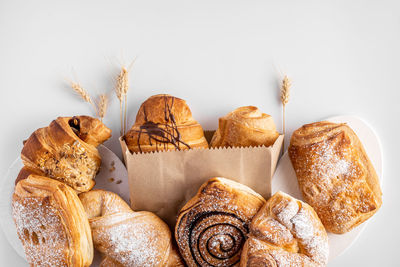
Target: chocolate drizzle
<point>162,133</point>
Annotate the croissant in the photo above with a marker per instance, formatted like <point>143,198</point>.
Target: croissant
<point>66,150</point>
<point>212,227</point>
<point>51,223</point>
<point>335,175</point>
<point>164,122</point>
<point>125,237</point>
<point>285,232</point>
<point>244,127</point>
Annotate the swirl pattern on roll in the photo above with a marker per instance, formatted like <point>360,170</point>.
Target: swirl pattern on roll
<point>212,227</point>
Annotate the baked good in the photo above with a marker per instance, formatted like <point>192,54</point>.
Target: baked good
<point>212,227</point>
<point>244,127</point>
<point>285,232</point>
<point>66,150</point>
<point>335,175</point>
<point>164,122</point>
<point>125,237</point>
<point>51,223</point>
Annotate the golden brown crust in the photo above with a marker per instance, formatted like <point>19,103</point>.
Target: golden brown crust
<point>125,237</point>
<point>244,127</point>
<point>65,150</point>
<point>51,223</point>
<point>212,226</point>
<point>164,122</point>
<point>285,232</point>
<point>335,175</point>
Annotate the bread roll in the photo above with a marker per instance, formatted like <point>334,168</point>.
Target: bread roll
<point>285,232</point>
<point>164,122</point>
<point>335,175</point>
<point>66,151</point>
<point>212,227</point>
<point>125,237</point>
<point>51,223</point>
<point>244,127</point>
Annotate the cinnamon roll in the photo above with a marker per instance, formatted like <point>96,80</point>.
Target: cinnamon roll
<point>212,226</point>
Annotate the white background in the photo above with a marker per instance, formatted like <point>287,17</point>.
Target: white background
<point>343,57</point>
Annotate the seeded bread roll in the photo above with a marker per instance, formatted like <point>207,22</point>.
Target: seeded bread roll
<point>66,151</point>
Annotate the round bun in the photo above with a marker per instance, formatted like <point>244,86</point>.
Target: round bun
<point>164,122</point>
<point>244,127</point>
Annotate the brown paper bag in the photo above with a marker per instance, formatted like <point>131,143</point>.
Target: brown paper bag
<point>162,182</point>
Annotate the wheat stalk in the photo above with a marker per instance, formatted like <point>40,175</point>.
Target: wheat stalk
<point>285,94</point>
<point>102,106</point>
<point>83,94</point>
<point>121,90</point>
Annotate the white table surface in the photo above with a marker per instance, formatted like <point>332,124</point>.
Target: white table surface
<point>343,57</point>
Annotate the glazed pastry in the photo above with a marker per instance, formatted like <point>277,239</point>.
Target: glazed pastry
<point>164,122</point>
<point>285,232</point>
<point>51,223</point>
<point>335,175</point>
<point>212,227</point>
<point>66,151</point>
<point>125,237</point>
<point>244,127</point>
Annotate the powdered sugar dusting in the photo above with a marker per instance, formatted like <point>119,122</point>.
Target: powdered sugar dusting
<point>309,243</point>
<point>39,228</point>
<point>331,174</point>
<point>131,241</point>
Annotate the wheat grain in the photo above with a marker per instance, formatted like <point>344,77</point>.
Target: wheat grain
<point>285,90</point>
<point>102,106</point>
<point>83,94</point>
<point>121,90</point>
<point>285,94</point>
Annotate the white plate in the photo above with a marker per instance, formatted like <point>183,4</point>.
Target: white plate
<point>285,178</point>
<point>103,181</point>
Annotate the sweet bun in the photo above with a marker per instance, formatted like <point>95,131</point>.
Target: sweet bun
<point>244,127</point>
<point>164,122</point>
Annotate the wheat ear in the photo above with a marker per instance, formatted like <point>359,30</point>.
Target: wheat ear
<point>121,90</point>
<point>83,94</point>
<point>102,106</point>
<point>285,94</point>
